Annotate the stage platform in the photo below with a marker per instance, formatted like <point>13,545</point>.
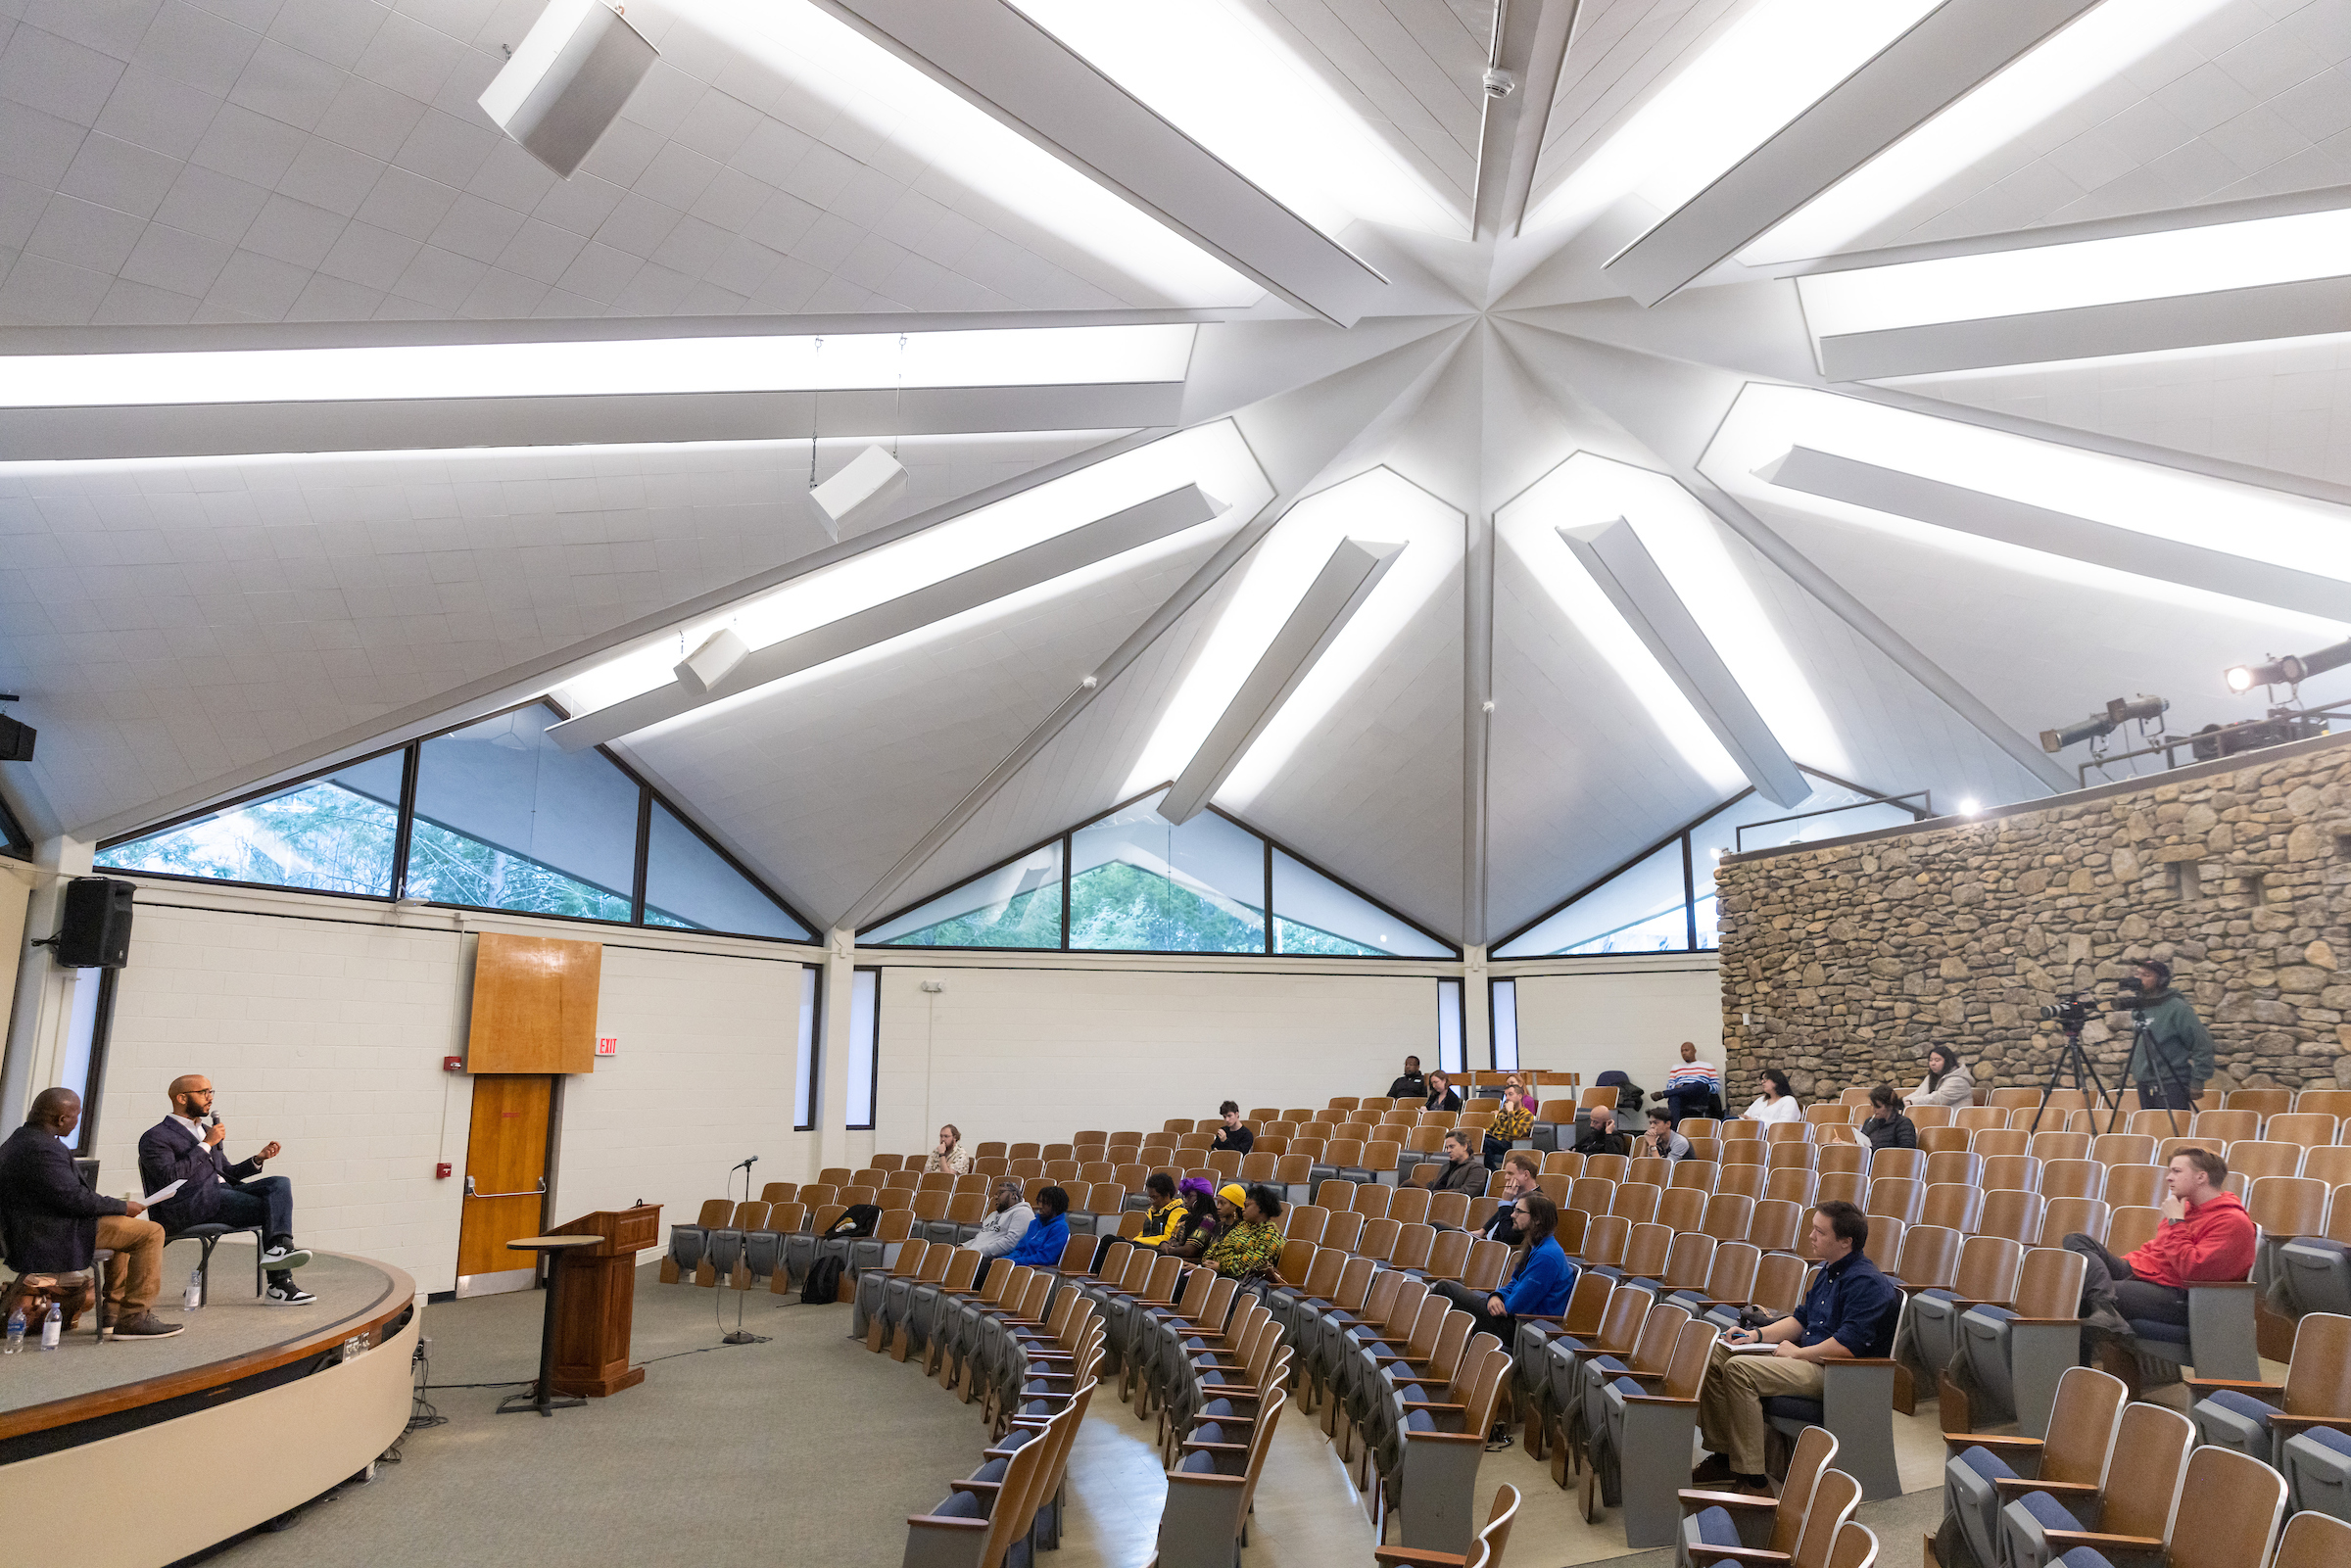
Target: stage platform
<point>255,1410</point>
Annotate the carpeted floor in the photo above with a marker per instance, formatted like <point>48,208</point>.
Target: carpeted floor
<point>808,1450</point>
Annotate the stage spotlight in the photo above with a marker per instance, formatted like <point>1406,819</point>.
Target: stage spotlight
<point>2119,712</point>
<point>2292,670</point>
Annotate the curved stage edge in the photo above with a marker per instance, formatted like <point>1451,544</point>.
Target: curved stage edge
<point>145,1473</point>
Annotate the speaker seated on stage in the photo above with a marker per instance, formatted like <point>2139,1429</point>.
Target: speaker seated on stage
<point>179,1148</point>
<point>55,1224</point>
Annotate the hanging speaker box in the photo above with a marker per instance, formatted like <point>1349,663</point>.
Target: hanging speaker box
<point>567,80</point>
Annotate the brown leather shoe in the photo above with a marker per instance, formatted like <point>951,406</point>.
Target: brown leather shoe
<point>148,1326</point>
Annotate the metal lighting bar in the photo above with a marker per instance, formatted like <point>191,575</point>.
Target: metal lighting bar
<point>2014,522</point>
<point>1949,52</point>
<point>1006,66</point>
<point>1184,507</point>
<point>1639,589</point>
<point>1324,610</point>
<point>1530,45</point>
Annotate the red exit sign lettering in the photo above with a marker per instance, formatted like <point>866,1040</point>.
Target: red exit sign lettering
<point>608,1045</point>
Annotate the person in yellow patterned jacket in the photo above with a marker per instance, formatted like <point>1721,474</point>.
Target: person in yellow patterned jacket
<point>1248,1245</point>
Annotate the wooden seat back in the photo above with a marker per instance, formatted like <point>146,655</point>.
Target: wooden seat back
<point>1930,1256</point>
<point>1635,1201</point>
<point>2237,1504</point>
<point>1796,1185</point>
<point>1779,1283</point>
<point>2082,1423</point>
<point>1645,1253</point>
<point>1564,1163</point>
<point>1341,1231</point>
<point>1728,1215</point>
<point>1893,1163</point>
<point>1682,1209</point>
<point>1943,1139</point>
<point>1449,1210</point>
<point>1412,1248</point>
<point>1379,1239</point>
<point>1607,1167</point>
<point>2065,1217</point>
<point>1776,1224</point>
<point>2287,1205</point>
<point>1988,1269</point>
<point>2049,1286</point>
<point>1953,1204</point>
<point>2312,1540</point>
<point>1605,1241</point>
<point>1690,1261</point>
<point>1831,1508</point>
<point>2010,1212</point>
<point>1746,1180</point>
<point>1898,1197</point>
<point>1408,1206</point>
<point>1848,1159</point>
<point>1447,1254</point>
<point>2151,1445</point>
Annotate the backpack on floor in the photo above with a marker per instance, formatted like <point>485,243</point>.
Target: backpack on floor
<point>823,1284</point>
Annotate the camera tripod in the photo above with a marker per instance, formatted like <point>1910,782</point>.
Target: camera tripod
<point>2086,1075</point>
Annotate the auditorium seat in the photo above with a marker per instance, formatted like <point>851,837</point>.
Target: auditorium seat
<point>1682,1207</point>
<point>2134,1186</point>
<point>1728,1215</point>
<point>1652,1348</point>
<point>2259,1419</point>
<point>2283,1208</point>
<point>1928,1258</point>
<point>1776,1224</point>
<point>1981,1475</point>
<point>1795,1185</point>
<point>1636,1202</point>
<point>1694,1173</point>
<point>1757,1524</point>
<point>1843,1158</point>
<point>2064,1216</point>
<point>1898,1197</point>
<point>1956,1206</point>
<point>1946,1139</point>
<point>2130,1229</point>
<point>2232,1524</point>
<point>1652,1422</point>
<point>1744,1179</point>
<point>1999,1142</point>
<point>2315,1269</point>
<point>1791,1155</point>
<point>2011,1211</point>
<point>2308,1129</point>
<point>1841,1186</point>
<point>1899,1164</point>
<point>2122,1149</point>
<point>2017,1353</point>
<point>2136,1499</point>
<point>1986,1277</point>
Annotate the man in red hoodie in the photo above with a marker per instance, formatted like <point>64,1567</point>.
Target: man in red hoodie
<point>2211,1241</point>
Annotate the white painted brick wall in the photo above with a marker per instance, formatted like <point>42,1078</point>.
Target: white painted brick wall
<point>1633,1020</point>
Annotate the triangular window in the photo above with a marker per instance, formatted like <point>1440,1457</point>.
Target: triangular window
<point>1131,882</point>
<point>493,816</point>
<point>1662,901</point>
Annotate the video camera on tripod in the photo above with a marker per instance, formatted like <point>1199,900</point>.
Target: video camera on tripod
<point>2073,1012</point>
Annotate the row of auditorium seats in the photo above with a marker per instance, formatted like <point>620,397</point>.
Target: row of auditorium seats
<point>2131,1479</point>
<point>1808,1525</point>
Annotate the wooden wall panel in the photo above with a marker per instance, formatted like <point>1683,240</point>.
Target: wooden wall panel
<point>534,1005</point>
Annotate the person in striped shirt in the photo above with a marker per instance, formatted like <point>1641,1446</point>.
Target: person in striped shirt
<point>1691,1087</point>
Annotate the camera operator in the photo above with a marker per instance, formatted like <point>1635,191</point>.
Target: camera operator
<point>2176,1038</point>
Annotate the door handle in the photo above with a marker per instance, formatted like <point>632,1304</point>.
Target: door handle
<point>539,1191</point>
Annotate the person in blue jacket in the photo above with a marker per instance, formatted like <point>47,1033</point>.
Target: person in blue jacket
<point>1048,1232</point>
<point>1544,1280</point>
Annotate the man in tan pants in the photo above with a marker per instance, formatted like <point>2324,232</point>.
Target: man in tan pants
<point>54,1221</point>
<point>1848,1314</point>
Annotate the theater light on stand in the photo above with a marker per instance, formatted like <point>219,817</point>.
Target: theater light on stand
<point>2290,671</point>
<point>2119,712</point>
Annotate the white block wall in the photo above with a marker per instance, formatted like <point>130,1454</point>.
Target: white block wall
<point>1036,1054</point>
<point>1633,1019</point>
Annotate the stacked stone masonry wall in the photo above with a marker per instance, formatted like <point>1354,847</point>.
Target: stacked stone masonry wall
<point>1850,961</point>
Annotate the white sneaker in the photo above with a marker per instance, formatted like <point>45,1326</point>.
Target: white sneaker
<point>277,1258</point>
<point>288,1295</point>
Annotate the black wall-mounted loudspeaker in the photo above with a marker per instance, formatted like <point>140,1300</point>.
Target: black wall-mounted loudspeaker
<point>96,930</point>
<point>15,740</point>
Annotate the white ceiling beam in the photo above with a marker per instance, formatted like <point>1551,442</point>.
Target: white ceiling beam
<point>2272,311</point>
<point>1187,506</point>
<point>1613,553</point>
<point>1323,612</point>
<point>2014,522</point>
<point>1530,44</point>
<point>1006,66</point>
<point>211,430</point>
<point>1945,55</point>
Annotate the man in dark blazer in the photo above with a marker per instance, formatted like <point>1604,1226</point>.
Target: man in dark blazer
<point>185,1147</point>
<point>54,1223</point>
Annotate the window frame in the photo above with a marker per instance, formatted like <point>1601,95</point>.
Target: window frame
<point>15,839</point>
<point>873,1091</point>
<point>1454,1003</point>
<point>1067,840</point>
<point>1688,871</point>
<point>812,981</point>
<point>404,826</point>
<point>1494,993</point>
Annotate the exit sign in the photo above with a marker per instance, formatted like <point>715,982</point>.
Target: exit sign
<point>608,1045</point>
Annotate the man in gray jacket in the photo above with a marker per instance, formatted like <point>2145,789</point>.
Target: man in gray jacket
<point>1005,1226</point>
<point>2181,1045</point>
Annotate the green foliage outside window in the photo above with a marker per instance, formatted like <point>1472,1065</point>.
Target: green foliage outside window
<point>321,836</point>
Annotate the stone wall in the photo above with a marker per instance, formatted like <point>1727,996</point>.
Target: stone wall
<point>1850,959</point>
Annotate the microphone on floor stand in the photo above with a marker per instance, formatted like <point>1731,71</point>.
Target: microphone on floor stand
<point>741,1336</point>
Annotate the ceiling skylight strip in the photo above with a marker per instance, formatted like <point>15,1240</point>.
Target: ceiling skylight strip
<point>1012,357</point>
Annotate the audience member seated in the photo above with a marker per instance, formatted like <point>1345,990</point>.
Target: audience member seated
<point>1947,1080</point>
<point>1441,1096</point>
<point>1660,1140</point>
<point>55,1224</point>
<point>1232,1135</point>
<point>1544,1280</point>
<point>1776,1103</point>
<point>1603,1138</point>
<point>1162,1211</point>
<point>1887,1127</point>
<point>1460,1173</point>
<point>1848,1314</point>
<point>1692,1089</point>
<point>1515,1121</point>
<point>1408,1084</point>
<point>1039,1246</point>
<point>2214,1240</point>
<point>1526,1096</point>
<point>214,1191</point>
<point>1003,1226</point>
<point>1248,1242</point>
<point>1520,1173</point>
<point>950,1158</point>
<point>1196,1226</point>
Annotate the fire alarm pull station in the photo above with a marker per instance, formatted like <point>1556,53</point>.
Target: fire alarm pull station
<point>452,1063</point>
<point>444,1170</point>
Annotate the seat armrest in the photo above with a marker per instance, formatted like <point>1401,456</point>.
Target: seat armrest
<point>1755,1554</point>
<point>1410,1557</point>
<point>1733,1502</point>
<point>2268,1391</point>
<point>1659,1398</point>
<point>2067,1539</point>
<point>2020,1446</point>
<point>2018,1486</point>
<point>2332,1423</point>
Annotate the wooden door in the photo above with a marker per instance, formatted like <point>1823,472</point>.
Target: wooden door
<point>505,1182</point>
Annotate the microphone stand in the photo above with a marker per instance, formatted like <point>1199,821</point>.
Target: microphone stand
<point>741,1336</point>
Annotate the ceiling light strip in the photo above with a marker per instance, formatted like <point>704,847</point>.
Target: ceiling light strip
<point>1013,70</point>
<point>1329,602</point>
<point>1617,560</point>
<point>1187,506</point>
<point>642,366</point>
<point>2013,522</point>
<point>1947,53</point>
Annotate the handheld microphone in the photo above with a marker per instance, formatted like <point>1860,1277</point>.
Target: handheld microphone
<point>747,1164</point>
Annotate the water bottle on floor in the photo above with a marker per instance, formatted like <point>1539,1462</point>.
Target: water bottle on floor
<point>53,1328</point>
<point>15,1332</point>
<point>193,1297</point>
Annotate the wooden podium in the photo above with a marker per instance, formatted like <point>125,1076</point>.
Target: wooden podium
<point>597,1297</point>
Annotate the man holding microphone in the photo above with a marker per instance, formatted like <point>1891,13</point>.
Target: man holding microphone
<point>185,1147</point>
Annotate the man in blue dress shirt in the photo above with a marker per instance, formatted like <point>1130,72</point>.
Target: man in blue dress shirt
<point>1848,1314</point>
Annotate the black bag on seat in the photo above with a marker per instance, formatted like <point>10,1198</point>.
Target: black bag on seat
<point>858,1219</point>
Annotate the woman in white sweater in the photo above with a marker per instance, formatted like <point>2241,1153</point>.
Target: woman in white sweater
<point>1947,1080</point>
<point>1775,1103</point>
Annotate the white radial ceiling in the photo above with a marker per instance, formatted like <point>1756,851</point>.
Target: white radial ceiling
<point>1419,314</point>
